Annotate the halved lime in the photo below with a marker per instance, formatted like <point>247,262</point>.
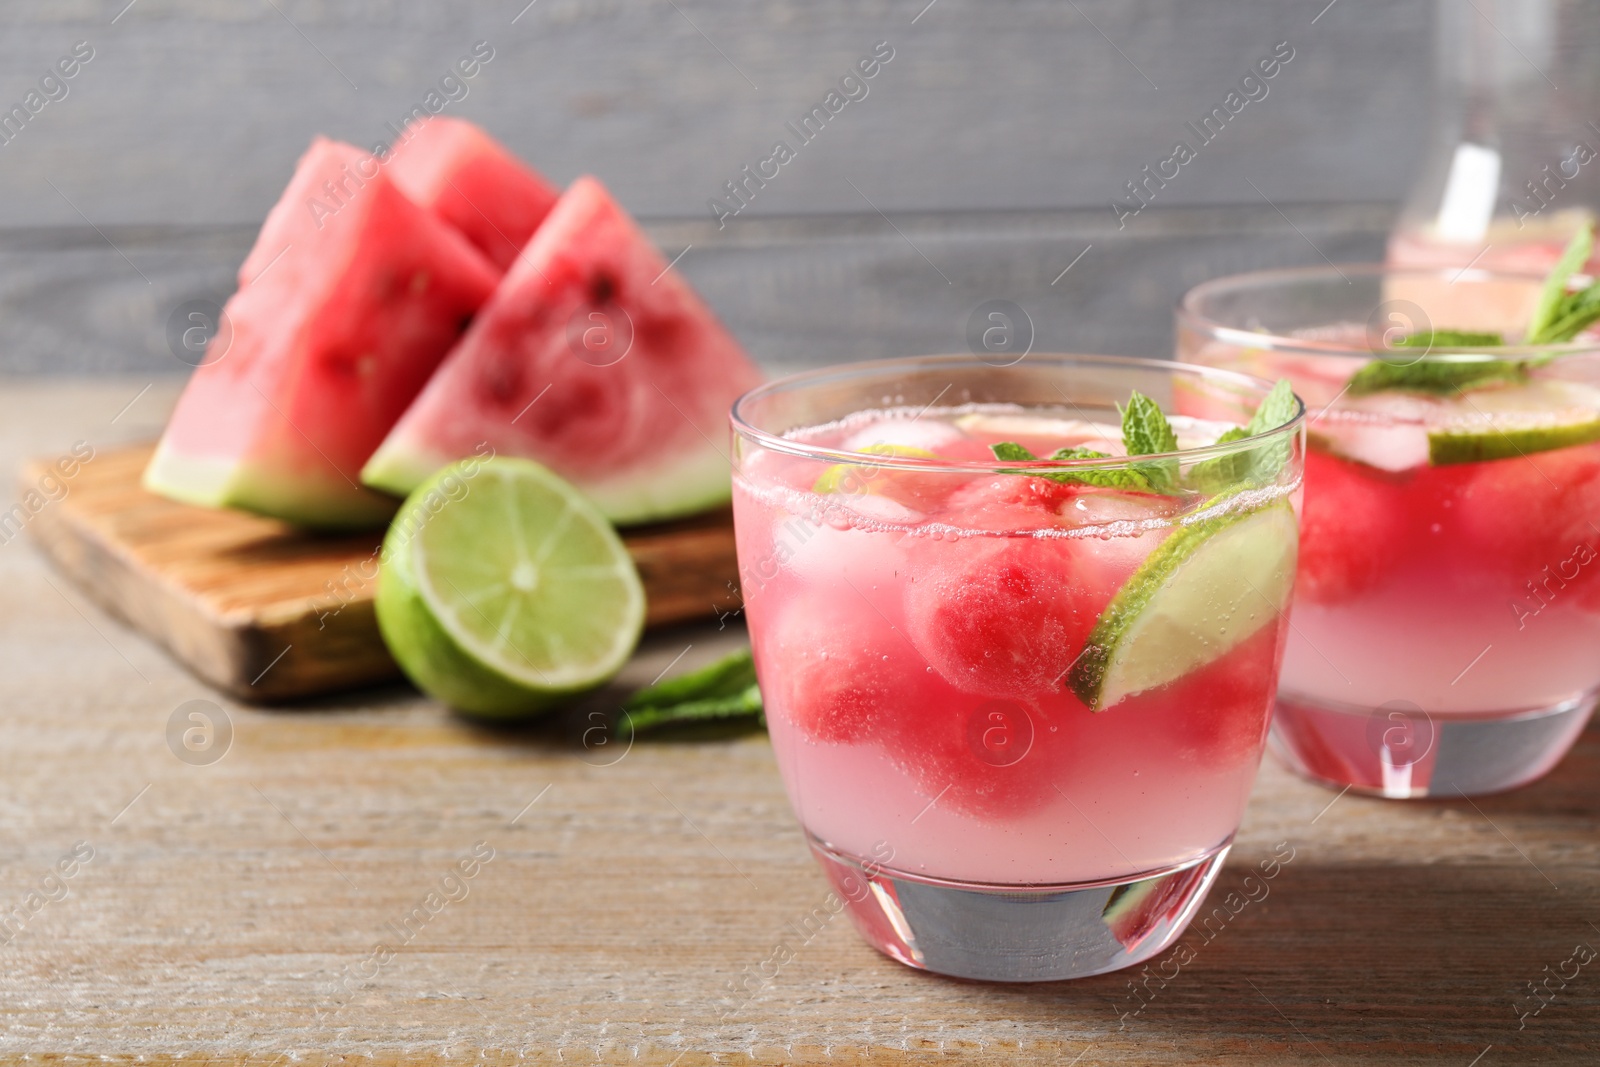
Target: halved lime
<point>1207,587</point>
<point>503,589</point>
<point>1534,416</point>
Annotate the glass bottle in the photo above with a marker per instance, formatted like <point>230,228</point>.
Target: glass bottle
<point>1513,166</point>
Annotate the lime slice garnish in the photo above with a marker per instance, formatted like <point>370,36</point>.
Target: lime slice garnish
<point>1203,591</point>
<point>1502,423</point>
<point>834,478</point>
<point>503,589</point>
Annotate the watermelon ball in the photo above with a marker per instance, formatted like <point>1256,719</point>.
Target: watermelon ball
<point>1351,527</point>
<point>999,617</point>
<point>837,671</point>
<point>1008,502</point>
<point>1217,715</point>
<point>1533,512</point>
<point>984,758</point>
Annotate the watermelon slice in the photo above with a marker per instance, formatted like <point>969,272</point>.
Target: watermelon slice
<point>364,295</point>
<point>594,359</point>
<point>457,171</point>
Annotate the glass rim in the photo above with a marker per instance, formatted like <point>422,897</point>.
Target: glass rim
<point>1188,313</point>
<point>844,371</point>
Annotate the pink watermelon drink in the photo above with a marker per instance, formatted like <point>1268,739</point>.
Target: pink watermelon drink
<point>1447,611</point>
<point>998,683</point>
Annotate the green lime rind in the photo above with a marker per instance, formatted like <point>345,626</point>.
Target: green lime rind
<point>1447,447</point>
<point>1211,584</point>
<point>503,591</point>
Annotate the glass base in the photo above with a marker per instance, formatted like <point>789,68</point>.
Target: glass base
<point>1041,933</point>
<point>1403,752</point>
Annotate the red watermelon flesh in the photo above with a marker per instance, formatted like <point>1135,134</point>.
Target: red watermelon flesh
<point>594,359</point>
<point>365,295</point>
<point>457,171</point>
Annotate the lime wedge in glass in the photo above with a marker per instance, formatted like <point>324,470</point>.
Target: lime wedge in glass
<point>503,590</point>
<point>1207,587</point>
<point>838,478</point>
<point>1518,420</point>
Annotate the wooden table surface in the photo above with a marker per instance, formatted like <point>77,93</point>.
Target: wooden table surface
<point>228,911</point>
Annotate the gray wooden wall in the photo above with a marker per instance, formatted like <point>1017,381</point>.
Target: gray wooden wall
<point>995,139</point>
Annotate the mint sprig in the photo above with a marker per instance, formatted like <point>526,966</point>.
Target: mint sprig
<point>1104,477</point>
<point>1146,432</point>
<point>1259,464</point>
<point>1145,429</point>
<point>1428,340</point>
<point>1275,409</point>
<point>1554,301</point>
<point>1558,317</point>
<point>726,689</point>
<point>1441,376</point>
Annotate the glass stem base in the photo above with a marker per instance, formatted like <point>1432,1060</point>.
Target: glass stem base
<point>1414,754</point>
<point>1040,933</point>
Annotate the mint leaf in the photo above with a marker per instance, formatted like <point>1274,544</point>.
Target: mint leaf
<point>1233,433</point>
<point>1214,475</point>
<point>724,677</point>
<point>1012,452</point>
<point>746,702</point>
<point>1261,463</point>
<point>1431,339</point>
<point>1104,477</point>
<point>1277,408</point>
<point>1146,432</point>
<point>1433,376</point>
<point>1554,294</point>
<point>1145,429</point>
<point>1576,313</point>
<point>725,689</point>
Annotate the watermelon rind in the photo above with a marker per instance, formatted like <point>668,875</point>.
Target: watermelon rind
<point>224,483</point>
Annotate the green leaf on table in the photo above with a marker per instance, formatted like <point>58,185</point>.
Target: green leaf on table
<point>746,703</point>
<point>725,689</point>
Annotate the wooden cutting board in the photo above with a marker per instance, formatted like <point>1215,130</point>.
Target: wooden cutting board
<point>269,612</point>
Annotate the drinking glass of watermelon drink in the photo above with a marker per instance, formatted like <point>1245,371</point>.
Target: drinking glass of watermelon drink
<point>1018,631</point>
<point>1446,625</point>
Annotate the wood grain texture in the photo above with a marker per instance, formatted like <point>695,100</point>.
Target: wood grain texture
<point>267,612</point>
<point>230,910</point>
